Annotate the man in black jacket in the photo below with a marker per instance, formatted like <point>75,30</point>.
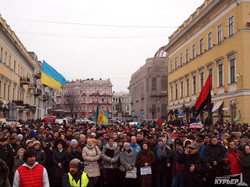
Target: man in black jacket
<point>215,153</point>
<point>196,166</point>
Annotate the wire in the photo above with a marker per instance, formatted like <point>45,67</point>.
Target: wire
<point>95,25</point>
<point>100,37</point>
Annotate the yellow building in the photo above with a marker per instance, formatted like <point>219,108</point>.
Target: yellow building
<point>214,40</point>
<point>20,90</point>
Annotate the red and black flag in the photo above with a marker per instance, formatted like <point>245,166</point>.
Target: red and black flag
<point>204,97</point>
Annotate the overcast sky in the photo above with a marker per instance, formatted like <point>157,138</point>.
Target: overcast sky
<point>96,38</point>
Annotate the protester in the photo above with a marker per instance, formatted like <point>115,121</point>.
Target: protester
<point>30,173</point>
<point>127,160</point>
<point>76,177</point>
<point>4,172</point>
<point>110,159</point>
<point>245,164</point>
<point>40,155</point>
<point>145,158</point>
<point>91,154</point>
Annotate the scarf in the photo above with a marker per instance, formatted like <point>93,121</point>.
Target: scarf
<point>159,150</point>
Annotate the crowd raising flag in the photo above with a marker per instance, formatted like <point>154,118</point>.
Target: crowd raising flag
<point>204,97</point>
<point>51,77</point>
<point>101,116</point>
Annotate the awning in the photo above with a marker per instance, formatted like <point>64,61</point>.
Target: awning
<point>217,106</point>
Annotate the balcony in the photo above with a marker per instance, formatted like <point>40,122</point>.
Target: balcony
<point>45,97</point>
<point>37,75</point>
<point>32,86</point>
<point>38,92</point>
<point>32,108</point>
<point>18,102</point>
<point>25,80</point>
<point>26,106</point>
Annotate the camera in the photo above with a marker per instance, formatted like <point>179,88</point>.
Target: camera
<point>81,166</point>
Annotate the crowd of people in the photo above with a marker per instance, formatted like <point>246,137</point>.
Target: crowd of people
<point>120,154</point>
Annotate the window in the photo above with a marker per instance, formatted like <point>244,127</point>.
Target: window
<point>210,71</point>
<point>187,55</point>
<point>232,70</point>
<point>187,81</point>
<point>209,41</point>
<point>181,59</point>
<point>194,50</point>
<point>202,79</point>
<point>220,75</point>
<point>176,91</point>
<point>171,92</point>
<point>4,91</point>
<point>14,68</point>
<point>181,89</point>
<point>9,61</point>
<point>1,54</point>
<point>164,83</point>
<point>176,63</point>
<point>231,25</point>
<point>5,58</point>
<point>0,89</point>
<point>8,92</point>
<point>219,30</point>
<point>171,65</point>
<point>194,84</point>
<point>154,84</point>
<point>201,46</point>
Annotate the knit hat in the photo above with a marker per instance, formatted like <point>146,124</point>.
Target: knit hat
<point>159,140</point>
<point>27,142</point>
<point>73,142</point>
<point>125,144</point>
<point>74,162</point>
<point>36,142</point>
<point>179,143</point>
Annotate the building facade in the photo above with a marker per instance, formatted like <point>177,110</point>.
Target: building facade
<point>20,89</point>
<point>213,41</point>
<point>121,106</point>
<point>148,89</point>
<point>79,99</point>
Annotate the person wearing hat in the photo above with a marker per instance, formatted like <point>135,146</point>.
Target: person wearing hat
<point>74,150</point>
<point>30,173</point>
<point>196,166</point>
<point>76,177</point>
<point>177,168</point>
<point>40,154</point>
<point>29,144</point>
<point>215,154</point>
<point>127,160</point>
<point>6,153</point>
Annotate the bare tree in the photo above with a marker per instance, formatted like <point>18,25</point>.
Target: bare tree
<point>71,101</point>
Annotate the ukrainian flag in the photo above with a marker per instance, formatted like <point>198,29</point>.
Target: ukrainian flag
<point>215,112</point>
<point>51,77</point>
<point>237,118</point>
<point>101,116</point>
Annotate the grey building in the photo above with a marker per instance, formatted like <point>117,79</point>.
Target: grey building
<point>148,89</point>
<point>121,106</point>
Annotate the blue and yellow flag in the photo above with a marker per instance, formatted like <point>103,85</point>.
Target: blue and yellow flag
<point>101,116</point>
<point>215,112</point>
<point>51,77</point>
<point>237,118</point>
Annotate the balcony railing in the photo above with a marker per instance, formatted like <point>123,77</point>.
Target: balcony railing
<point>18,102</point>
<point>32,108</point>
<point>24,80</point>
<point>32,86</point>
<point>38,92</point>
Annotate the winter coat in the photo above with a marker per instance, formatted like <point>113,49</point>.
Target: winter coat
<point>57,172</point>
<point>196,178</point>
<point>161,162</point>
<point>145,157</point>
<point>75,153</point>
<point>17,162</point>
<point>110,156</point>
<point>91,154</point>
<point>233,160</point>
<point>127,158</point>
<point>4,172</point>
<point>245,165</point>
<point>215,153</point>
<point>41,157</point>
